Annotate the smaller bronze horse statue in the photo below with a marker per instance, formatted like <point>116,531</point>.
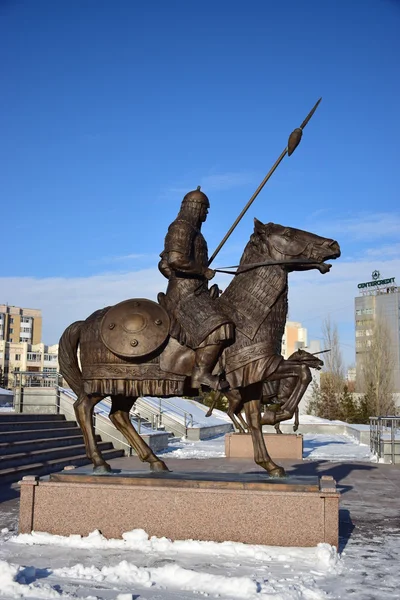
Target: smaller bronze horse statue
<point>274,396</point>
<point>113,362</point>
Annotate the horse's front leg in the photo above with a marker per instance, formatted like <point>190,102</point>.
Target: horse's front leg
<point>252,409</point>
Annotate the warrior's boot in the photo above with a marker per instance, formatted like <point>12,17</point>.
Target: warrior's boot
<point>206,359</point>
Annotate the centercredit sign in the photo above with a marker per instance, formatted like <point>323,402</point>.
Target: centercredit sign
<point>375,283</point>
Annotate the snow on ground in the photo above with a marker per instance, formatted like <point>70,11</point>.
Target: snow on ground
<point>338,448</point>
<point>142,568</point>
<point>316,446</point>
<point>45,566</point>
<point>211,448</point>
<point>5,392</point>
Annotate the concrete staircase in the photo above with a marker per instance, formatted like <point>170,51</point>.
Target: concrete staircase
<point>38,444</point>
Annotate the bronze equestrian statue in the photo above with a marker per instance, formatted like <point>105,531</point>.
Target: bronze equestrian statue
<point>195,337</point>
<point>129,350</point>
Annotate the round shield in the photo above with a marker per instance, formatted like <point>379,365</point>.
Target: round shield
<point>134,328</point>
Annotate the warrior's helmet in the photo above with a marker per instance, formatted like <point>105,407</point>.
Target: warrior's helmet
<point>195,197</point>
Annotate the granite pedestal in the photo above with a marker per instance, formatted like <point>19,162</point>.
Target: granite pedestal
<point>240,507</point>
<point>285,445</point>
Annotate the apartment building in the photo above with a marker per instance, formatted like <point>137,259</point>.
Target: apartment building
<point>20,325</point>
<point>295,337</point>
<point>24,357</point>
<point>379,299</point>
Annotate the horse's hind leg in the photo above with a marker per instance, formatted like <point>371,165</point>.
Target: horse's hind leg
<point>119,416</point>
<point>84,415</point>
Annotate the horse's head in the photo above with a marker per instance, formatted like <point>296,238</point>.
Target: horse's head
<point>281,243</point>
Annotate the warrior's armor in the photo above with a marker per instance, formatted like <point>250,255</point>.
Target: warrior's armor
<point>196,319</point>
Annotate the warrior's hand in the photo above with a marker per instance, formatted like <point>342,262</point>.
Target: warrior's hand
<point>209,274</point>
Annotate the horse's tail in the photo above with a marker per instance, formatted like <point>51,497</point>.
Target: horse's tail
<point>68,358</point>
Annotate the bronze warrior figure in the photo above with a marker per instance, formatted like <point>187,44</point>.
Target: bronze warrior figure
<point>197,320</point>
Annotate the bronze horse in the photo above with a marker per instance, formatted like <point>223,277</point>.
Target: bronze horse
<point>274,395</point>
<point>256,300</point>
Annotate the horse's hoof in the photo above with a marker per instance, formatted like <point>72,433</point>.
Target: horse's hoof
<point>158,466</point>
<point>277,472</point>
<point>102,469</point>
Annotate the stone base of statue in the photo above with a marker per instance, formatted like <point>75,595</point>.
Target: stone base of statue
<point>285,445</point>
<point>240,507</point>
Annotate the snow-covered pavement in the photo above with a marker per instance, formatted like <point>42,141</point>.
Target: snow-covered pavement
<point>316,446</point>
<point>139,568</point>
<point>41,566</point>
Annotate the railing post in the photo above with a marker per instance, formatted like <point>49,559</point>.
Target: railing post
<point>392,439</point>
<point>58,400</point>
<point>379,436</point>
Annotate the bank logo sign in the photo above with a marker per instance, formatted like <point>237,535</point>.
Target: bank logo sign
<point>376,281</point>
<point>376,275</point>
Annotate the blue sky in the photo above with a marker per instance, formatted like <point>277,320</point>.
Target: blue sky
<point>111,111</point>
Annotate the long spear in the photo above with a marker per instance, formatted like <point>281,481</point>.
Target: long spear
<point>294,141</point>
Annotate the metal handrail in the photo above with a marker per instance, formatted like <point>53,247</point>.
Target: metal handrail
<point>379,426</point>
<point>188,417</point>
<point>155,407</point>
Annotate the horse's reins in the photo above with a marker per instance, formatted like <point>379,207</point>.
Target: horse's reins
<point>249,267</point>
<point>269,263</point>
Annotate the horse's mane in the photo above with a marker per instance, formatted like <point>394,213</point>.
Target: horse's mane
<point>251,295</point>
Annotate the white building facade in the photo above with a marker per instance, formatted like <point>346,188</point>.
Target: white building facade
<point>379,299</point>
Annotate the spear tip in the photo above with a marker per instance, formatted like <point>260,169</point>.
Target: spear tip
<point>310,114</point>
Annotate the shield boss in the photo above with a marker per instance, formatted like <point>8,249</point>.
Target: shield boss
<point>134,328</point>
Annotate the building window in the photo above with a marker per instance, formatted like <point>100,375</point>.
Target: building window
<point>16,370</point>
<point>17,357</point>
<point>11,330</point>
<point>50,357</point>
<point>365,311</point>
<point>11,320</point>
<point>34,356</point>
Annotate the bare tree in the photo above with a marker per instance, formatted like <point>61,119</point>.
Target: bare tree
<point>325,399</point>
<point>376,373</point>
<point>333,360</point>
<point>332,377</point>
